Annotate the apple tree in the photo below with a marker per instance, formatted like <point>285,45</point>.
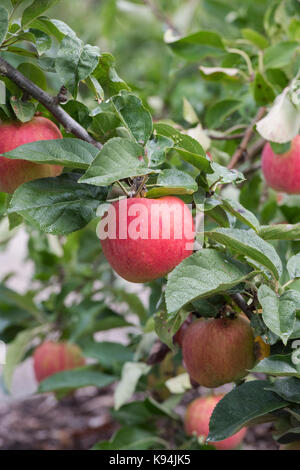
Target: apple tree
<point>237,79</point>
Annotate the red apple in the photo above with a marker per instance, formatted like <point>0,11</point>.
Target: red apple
<point>13,173</point>
<point>50,358</point>
<point>218,351</point>
<point>197,421</point>
<point>282,172</point>
<point>144,239</point>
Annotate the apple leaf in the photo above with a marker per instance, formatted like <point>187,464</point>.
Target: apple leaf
<point>131,374</point>
<point>279,313</point>
<point>107,354</point>
<point>156,149</point>
<point>189,148</point>
<point>135,117</point>
<point>219,111</point>
<point>293,266</point>
<point>278,365</point>
<point>287,388</point>
<point>53,27</point>
<point>37,8</point>
<point>57,205</point>
<point>249,244</point>
<point>204,273</point>
<point>173,182</point>
<point>3,24</point>
<point>107,76</point>
<point>280,54</point>
<point>280,232</point>
<point>238,211</point>
<point>68,380</point>
<point>75,62</point>
<point>240,407</point>
<point>197,46</point>
<point>131,438</point>
<point>118,159</point>
<point>69,152</point>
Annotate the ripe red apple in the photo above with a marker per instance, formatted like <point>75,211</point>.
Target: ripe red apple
<point>50,358</point>
<point>291,446</point>
<point>218,351</point>
<point>197,421</point>
<point>13,173</point>
<point>282,172</point>
<point>144,239</point>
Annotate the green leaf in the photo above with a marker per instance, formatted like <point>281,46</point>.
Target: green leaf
<point>75,62</point>
<point>131,374</point>
<point>218,112</point>
<point>37,8</point>
<point>287,388</point>
<point>42,41</point>
<point>280,54</point>
<point>247,243</point>
<point>278,365</point>
<point>3,24</point>
<point>134,116</point>
<point>131,438</point>
<point>156,149</point>
<point>263,92</point>
<point>167,325</point>
<point>236,209</point>
<point>241,406</point>
<point>173,182</point>
<point>15,352</point>
<point>117,159</point>
<point>24,110</point>
<point>33,73</point>
<point>219,74</point>
<point>222,175</point>
<point>69,152</point>
<point>280,148</point>
<point>68,380</point>
<point>280,232</point>
<point>255,38</point>
<point>107,76</point>
<point>53,27</point>
<point>204,273</point>
<point>198,45</point>
<point>277,77</point>
<point>279,313</point>
<point>189,148</point>
<point>293,266</point>
<point>57,205</point>
<point>108,354</point>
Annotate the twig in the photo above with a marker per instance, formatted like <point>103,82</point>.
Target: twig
<point>50,102</point>
<point>256,148</point>
<point>247,136</point>
<point>242,304</point>
<point>158,353</point>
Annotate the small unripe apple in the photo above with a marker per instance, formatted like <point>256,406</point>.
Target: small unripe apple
<point>13,173</point>
<point>291,446</point>
<point>218,351</point>
<point>197,422</point>
<point>144,239</point>
<point>50,358</point>
<point>282,172</point>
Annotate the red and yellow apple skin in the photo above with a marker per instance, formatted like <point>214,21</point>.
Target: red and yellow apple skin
<point>282,172</point>
<point>13,173</point>
<point>197,422</point>
<point>151,257</point>
<point>218,351</point>
<point>50,358</point>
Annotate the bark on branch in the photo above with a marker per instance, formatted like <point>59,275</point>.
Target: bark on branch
<point>242,304</point>
<point>247,136</point>
<point>48,101</point>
